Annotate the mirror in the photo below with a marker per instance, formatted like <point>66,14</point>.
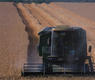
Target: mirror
<point>90,48</point>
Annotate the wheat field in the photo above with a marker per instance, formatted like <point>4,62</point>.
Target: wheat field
<point>14,42</point>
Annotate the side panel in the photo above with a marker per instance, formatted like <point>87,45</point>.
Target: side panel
<point>44,45</point>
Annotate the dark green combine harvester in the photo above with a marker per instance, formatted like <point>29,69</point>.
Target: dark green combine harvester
<point>64,50</point>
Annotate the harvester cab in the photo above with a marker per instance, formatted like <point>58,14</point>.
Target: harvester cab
<point>64,50</point>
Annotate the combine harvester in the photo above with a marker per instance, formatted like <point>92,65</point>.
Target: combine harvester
<point>64,50</point>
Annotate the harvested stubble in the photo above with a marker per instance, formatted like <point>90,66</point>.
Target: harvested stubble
<point>34,27</point>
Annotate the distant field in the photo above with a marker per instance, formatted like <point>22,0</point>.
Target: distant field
<point>83,9</point>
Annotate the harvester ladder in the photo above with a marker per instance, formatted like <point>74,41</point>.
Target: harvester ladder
<point>91,64</point>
